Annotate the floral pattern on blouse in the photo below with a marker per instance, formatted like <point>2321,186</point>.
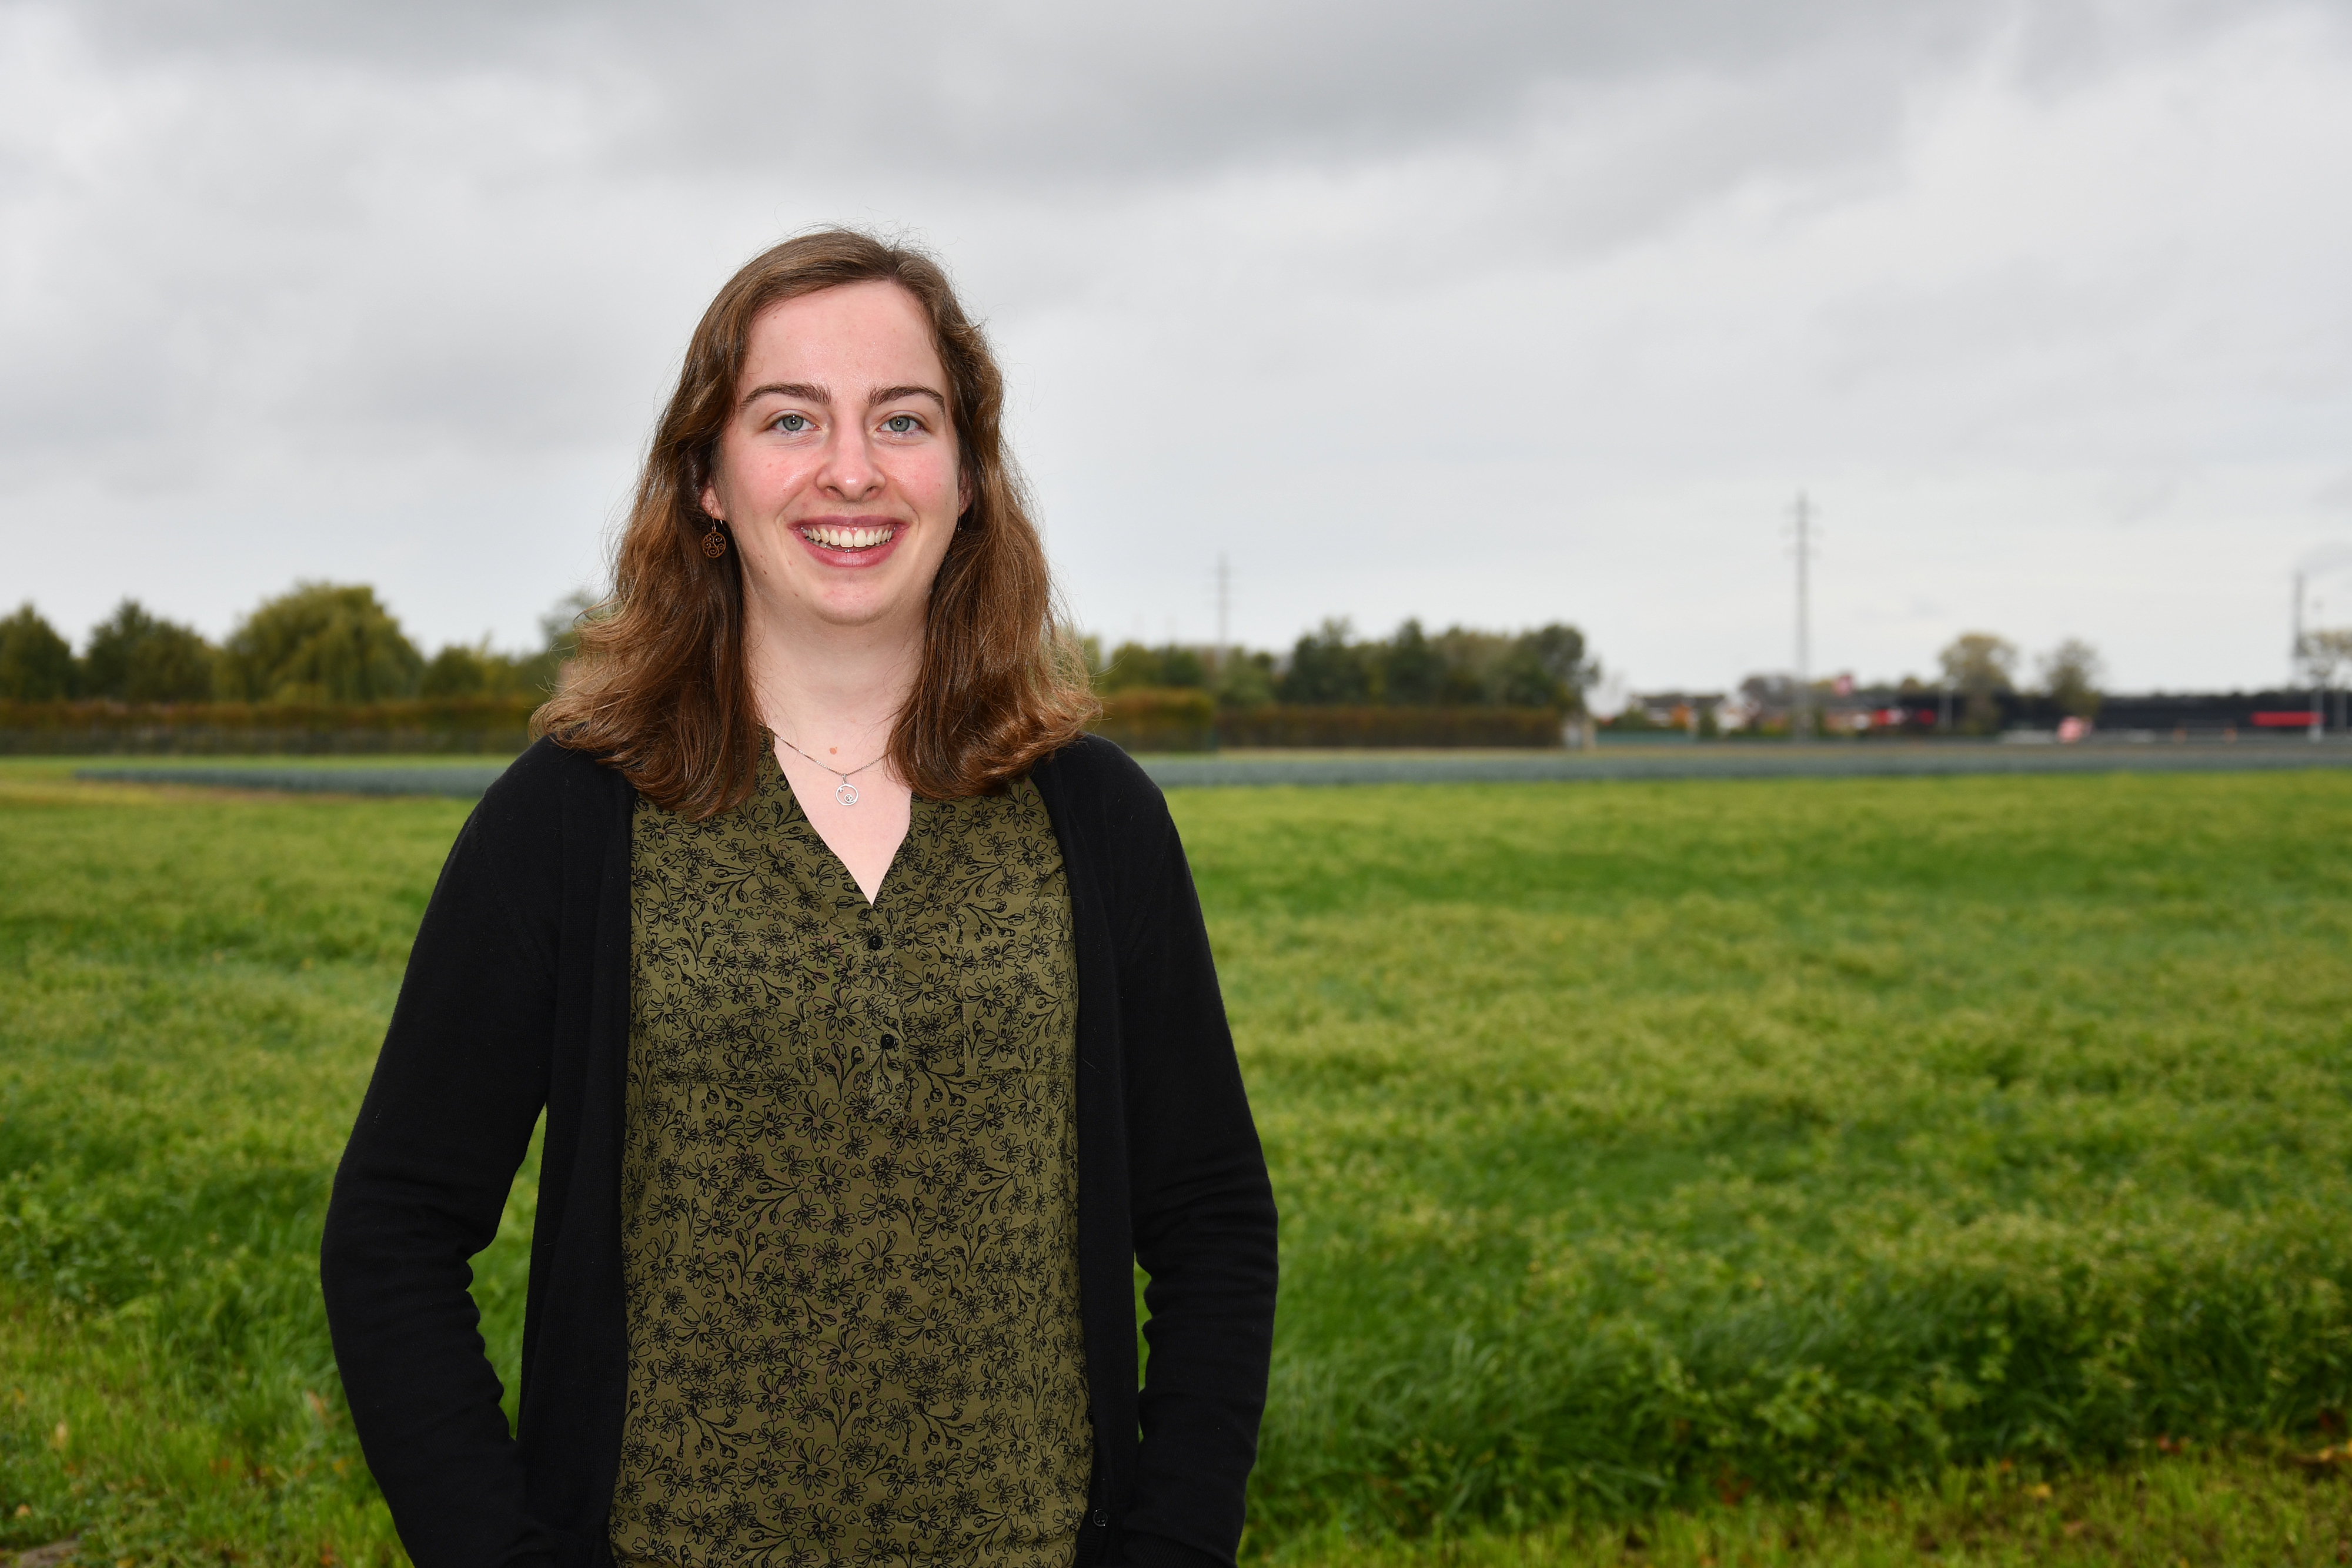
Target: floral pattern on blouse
<point>849,1194</point>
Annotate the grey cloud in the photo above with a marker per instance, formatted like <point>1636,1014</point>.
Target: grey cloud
<point>367,264</point>
<point>1017,93</point>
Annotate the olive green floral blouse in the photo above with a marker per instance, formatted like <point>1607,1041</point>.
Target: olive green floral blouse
<point>849,1194</point>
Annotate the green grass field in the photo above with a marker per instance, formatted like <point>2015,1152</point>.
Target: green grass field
<point>1694,1171</point>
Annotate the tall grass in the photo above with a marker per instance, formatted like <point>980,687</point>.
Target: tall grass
<point>1636,1144</point>
<point>1640,1144</point>
<point>191,992</point>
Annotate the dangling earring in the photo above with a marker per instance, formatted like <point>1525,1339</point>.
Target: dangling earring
<point>714,543</point>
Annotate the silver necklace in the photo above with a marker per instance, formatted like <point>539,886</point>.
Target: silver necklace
<point>846,792</point>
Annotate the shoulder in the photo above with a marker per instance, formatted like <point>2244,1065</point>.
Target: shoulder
<point>1111,818</point>
<point>549,776</point>
<point>552,803</point>
<point>1100,787</point>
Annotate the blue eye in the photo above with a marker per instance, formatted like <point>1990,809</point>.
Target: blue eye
<point>791,424</point>
<point>901,424</point>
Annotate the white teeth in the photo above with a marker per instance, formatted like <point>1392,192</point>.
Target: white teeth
<point>845,538</point>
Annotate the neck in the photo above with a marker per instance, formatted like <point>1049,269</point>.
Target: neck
<point>835,692</point>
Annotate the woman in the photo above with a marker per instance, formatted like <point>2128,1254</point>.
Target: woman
<point>870,1009</point>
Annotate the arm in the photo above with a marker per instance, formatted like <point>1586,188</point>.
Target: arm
<point>1204,1226</point>
<point>447,1117</point>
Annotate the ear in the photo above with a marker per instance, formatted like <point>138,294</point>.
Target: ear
<point>965,490</point>
<point>711,503</point>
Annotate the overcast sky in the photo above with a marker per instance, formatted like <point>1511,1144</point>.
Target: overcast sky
<point>1498,314</point>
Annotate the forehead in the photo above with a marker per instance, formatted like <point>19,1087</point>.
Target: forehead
<point>847,338</point>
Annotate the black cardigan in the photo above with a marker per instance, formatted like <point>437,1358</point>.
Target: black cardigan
<point>516,997</point>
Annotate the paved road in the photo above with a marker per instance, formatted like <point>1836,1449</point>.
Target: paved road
<point>466,781</point>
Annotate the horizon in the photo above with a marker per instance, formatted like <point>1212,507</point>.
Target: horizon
<point>1607,688</point>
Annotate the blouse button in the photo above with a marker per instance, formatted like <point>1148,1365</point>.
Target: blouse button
<point>874,941</point>
<point>890,1043</point>
<point>1102,1519</point>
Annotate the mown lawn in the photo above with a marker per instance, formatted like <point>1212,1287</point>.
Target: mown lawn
<point>1699,1172</point>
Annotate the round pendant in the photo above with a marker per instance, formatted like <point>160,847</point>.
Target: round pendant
<point>846,792</point>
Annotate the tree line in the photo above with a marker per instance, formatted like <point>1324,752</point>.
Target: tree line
<point>1977,671</point>
<point>318,643</point>
<point>1411,667</point>
<point>334,642</point>
<point>1979,665</point>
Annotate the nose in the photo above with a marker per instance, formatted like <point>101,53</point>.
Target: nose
<point>850,471</point>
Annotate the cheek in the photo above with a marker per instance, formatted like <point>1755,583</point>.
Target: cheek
<point>774,475</point>
<point>735,475</point>
<point>933,482</point>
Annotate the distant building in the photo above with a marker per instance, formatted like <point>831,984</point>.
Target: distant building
<point>1693,712</point>
<point>1841,708</point>
<point>2188,714</point>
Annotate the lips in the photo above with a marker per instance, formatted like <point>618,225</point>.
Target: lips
<point>838,536</point>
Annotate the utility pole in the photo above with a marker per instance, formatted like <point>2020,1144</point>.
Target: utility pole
<point>1800,715</point>
<point>2295,648</point>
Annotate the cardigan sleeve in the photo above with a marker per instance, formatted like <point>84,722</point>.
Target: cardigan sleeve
<point>447,1120</point>
<point>1203,1215</point>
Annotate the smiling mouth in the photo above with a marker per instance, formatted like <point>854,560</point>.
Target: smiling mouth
<point>833,535</point>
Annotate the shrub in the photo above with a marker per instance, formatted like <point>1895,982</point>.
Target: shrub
<point>320,642</point>
<point>135,657</point>
<point>36,663</point>
<point>456,671</point>
<point>476,725</point>
<point>1160,720</point>
<point>1307,724</point>
<point>1134,667</point>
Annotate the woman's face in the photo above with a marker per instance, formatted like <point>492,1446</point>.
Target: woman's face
<point>838,473</point>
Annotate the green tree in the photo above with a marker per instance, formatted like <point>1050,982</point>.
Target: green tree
<point>1245,679</point>
<point>535,675</point>
<point>1558,649</point>
<point>1326,667</point>
<point>2069,677</point>
<point>461,670</point>
<point>1412,673</point>
<point>135,657</point>
<point>320,642</point>
<point>36,663</point>
<point>1134,667</point>
<point>1542,668</point>
<point>458,670</point>
<point>1979,666</point>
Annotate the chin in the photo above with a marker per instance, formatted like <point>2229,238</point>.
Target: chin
<point>863,612</point>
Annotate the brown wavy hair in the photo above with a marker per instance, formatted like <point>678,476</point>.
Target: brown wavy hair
<point>660,689</point>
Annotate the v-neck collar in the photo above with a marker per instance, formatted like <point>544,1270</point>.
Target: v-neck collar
<point>772,778</point>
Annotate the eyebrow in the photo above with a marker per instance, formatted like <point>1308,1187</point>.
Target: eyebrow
<point>892,394</point>
<point>808,391</point>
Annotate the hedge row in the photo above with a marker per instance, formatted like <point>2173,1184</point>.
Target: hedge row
<point>1188,721</point>
<point>1159,719</point>
<point>1148,720</point>
<point>1293,725</point>
<point>489,725</point>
